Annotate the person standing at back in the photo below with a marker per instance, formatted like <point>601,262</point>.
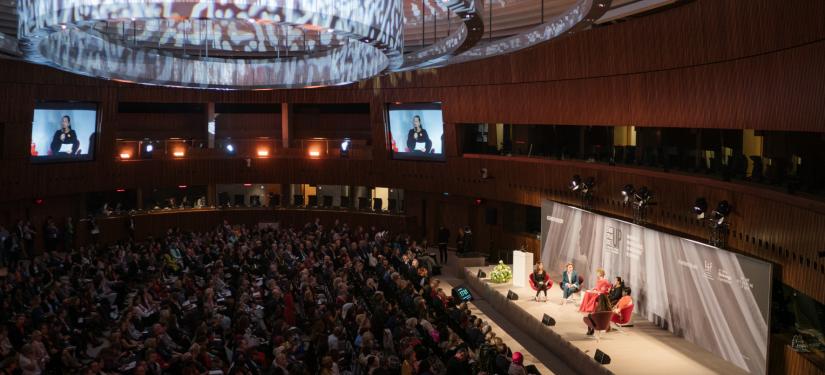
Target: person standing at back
<point>443,239</point>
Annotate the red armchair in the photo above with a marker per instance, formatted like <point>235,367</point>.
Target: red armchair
<point>547,282</point>
<point>601,322</point>
<point>623,317</point>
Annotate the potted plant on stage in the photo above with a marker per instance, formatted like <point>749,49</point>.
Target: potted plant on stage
<point>501,273</point>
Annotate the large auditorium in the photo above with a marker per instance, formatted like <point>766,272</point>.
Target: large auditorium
<point>412,187</point>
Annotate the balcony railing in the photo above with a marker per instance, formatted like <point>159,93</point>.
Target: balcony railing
<point>315,148</point>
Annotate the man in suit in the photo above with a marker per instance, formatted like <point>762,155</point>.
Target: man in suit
<point>569,282</point>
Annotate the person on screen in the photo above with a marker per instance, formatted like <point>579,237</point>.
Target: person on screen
<point>569,282</point>
<point>65,136</point>
<point>418,135</point>
<point>590,296</point>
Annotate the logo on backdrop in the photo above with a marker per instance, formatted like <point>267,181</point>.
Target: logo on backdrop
<point>708,269</point>
<point>612,240</point>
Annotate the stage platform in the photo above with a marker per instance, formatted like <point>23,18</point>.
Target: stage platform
<point>641,349</point>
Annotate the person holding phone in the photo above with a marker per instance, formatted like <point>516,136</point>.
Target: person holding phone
<point>65,136</point>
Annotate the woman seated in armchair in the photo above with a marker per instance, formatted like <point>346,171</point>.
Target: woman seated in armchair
<point>590,296</point>
<point>540,281</point>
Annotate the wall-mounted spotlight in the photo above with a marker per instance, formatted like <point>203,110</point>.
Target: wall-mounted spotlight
<point>642,197</point>
<point>125,155</point>
<point>723,209</point>
<point>700,207</point>
<point>263,152</point>
<point>146,149</point>
<point>627,193</point>
<point>345,145</point>
<point>588,185</point>
<point>576,183</point>
<point>229,147</point>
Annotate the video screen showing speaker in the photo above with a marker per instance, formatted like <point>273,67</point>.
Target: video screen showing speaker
<point>63,131</point>
<point>714,298</point>
<point>363,203</point>
<point>313,201</point>
<point>327,201</point>
<point>416,131</point>
<point>377,203</point>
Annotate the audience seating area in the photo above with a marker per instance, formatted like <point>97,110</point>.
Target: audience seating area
<point>240,300</point>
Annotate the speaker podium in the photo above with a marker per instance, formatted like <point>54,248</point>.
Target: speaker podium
<point>522,268</point>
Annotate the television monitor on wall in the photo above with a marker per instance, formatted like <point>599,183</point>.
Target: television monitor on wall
<point>416,131</point>
<point>63,131</point>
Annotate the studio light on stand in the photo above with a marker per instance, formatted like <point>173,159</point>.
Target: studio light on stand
<point>627,194</point>
<point>584,189</point>
<point>641,201</point>
<point>700,207</point>
<point>719,224</point>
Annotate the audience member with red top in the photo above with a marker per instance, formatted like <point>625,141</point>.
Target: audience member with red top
<point>589,299</point>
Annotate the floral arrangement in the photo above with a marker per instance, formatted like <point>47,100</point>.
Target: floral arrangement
<point>501,273</point>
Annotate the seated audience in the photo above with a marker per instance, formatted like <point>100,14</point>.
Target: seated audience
<point>237,299</point>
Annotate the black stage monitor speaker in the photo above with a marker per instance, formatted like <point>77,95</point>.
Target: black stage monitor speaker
<point>377,203</point>
<point>363,203</point>
<point>345,203</point>
<point>481,274</point>
<point>327,201</point>
<point>490,216</point>
<point>548,320</point>
<point>511,295</point>
<point>298,200</point>
<point>602,357</point>
<point>462,293</point>
<point>313,201</point>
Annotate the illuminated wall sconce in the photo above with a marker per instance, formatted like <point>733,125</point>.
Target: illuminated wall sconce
<point>125,155</point>
<point>178,153</point>
<point>182,186</point>
<point>314,153</point>
<point>262,152</point>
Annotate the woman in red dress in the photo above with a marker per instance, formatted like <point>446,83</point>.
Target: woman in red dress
<point>590,296</point>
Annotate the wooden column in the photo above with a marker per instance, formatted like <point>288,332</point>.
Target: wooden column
<point>286,124</point>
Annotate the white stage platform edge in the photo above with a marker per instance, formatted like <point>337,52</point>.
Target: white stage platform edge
<point>642,349</point>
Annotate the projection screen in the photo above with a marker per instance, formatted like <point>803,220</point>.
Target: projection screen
<point>714,298</point>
